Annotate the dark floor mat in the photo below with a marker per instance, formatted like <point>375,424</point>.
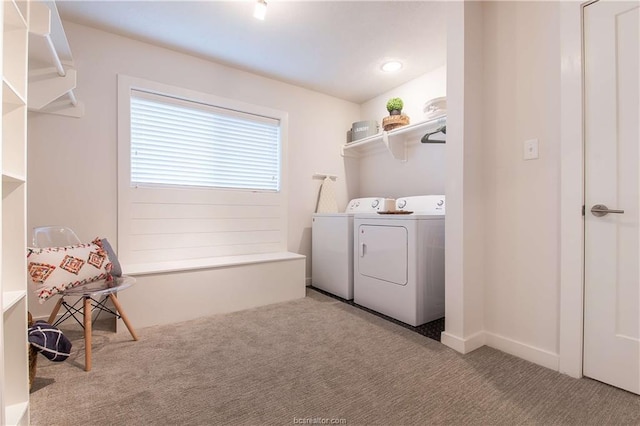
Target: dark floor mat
<point>432,329</point>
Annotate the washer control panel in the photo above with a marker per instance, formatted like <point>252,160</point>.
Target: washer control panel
<point>424,204</point>
<point>365,205</point>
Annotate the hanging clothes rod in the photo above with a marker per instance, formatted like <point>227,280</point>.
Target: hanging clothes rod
<point>425,138</point>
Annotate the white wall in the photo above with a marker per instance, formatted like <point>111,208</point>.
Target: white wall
<point>522,199</point>
<point>464,262</point>
<point>503,213</point>
<point>72,162</point>
<point>424,173</point>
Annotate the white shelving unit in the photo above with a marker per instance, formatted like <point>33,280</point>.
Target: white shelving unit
<point>14,367</point>
<point>395,141</point>
<point>52,76</point>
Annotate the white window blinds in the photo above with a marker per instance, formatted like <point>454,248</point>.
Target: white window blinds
<point>183,143</point>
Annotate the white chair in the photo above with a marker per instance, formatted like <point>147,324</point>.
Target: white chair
<point>93,295</point>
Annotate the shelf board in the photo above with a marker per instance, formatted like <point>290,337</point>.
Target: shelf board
<point>10,95</point>
<point>419,129</point>
<point>8,186</point>
<point>12,178</point>
<point>363,141</point>
<point>15,413</point>
<point>392,139</point>
<point>10,298</point>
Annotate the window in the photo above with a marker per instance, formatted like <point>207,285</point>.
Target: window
<point>178,142</point>
<point>199,176</point>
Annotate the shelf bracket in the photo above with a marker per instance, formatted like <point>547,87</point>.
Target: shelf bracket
<point>397,150</point>
<point>323,176</point>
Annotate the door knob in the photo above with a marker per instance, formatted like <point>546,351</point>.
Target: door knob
<point>600,210</point>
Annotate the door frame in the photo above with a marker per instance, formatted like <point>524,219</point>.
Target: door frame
<point>571,333</point>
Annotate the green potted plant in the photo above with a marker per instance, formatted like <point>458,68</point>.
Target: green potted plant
<point>395,118</point>
<point>394,106</point>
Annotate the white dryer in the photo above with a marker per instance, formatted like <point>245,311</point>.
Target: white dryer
<point>332,247</point>
<point>399,260</point>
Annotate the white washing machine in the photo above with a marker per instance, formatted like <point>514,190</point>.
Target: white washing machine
<point>399,260</point>
<point>332,247</point>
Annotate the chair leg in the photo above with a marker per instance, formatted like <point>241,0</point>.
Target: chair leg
<point>55,311</point>
<point>87,334</point>
<point>118,307</point>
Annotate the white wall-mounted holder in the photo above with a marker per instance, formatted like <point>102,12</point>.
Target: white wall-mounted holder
<point>323,176</point>
<point>52,77</point>
<point>394,141</point>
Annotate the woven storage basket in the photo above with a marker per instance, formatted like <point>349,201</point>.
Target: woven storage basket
<point>33,357</point>
<point>393,121</point>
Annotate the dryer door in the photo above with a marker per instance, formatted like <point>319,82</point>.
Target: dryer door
<point>382,253</point>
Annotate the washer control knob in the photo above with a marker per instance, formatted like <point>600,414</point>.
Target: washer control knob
<point>440,203</point>
<point>402,203</point>
<point>375,203</point>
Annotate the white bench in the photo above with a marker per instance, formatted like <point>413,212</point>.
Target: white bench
<point>171,292</point>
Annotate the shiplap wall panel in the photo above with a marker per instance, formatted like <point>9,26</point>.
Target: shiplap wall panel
<point>167,224</point>
<point>179,225</point>
<point>202,211</point>
<point>208,239</point>
<point>162,255</point>
<point>210,196</point>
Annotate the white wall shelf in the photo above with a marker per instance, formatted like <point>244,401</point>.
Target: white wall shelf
<point>10,95</point>
<point>16,413</point>
<point>14,367</point>
<point>12,179</point>
<point>52,77</point>
<point>10,298</point>
<point>394,141</point>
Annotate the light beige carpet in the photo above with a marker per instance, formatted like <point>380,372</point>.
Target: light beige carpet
<point>314,358</point>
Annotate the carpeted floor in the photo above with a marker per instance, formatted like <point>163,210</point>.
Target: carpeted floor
<point>432,329</point>
<point>315,359</point>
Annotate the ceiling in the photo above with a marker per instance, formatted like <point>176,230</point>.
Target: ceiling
<point>334,47</point>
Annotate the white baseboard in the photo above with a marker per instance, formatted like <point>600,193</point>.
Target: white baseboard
<point>522,350</point>
<point>464,346</point>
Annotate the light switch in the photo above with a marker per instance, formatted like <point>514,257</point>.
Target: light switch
<point>530,149</point>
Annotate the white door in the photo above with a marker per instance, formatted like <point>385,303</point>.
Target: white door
<point>612,182</point>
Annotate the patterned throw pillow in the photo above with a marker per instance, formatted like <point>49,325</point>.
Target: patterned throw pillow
<point>56,269</point>
<point>116,269</point>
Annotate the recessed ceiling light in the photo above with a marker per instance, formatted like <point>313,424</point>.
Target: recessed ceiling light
<point>391,66</point>
<point>260,10</point>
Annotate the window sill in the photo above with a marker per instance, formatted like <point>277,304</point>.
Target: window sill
<point>208,263</point>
